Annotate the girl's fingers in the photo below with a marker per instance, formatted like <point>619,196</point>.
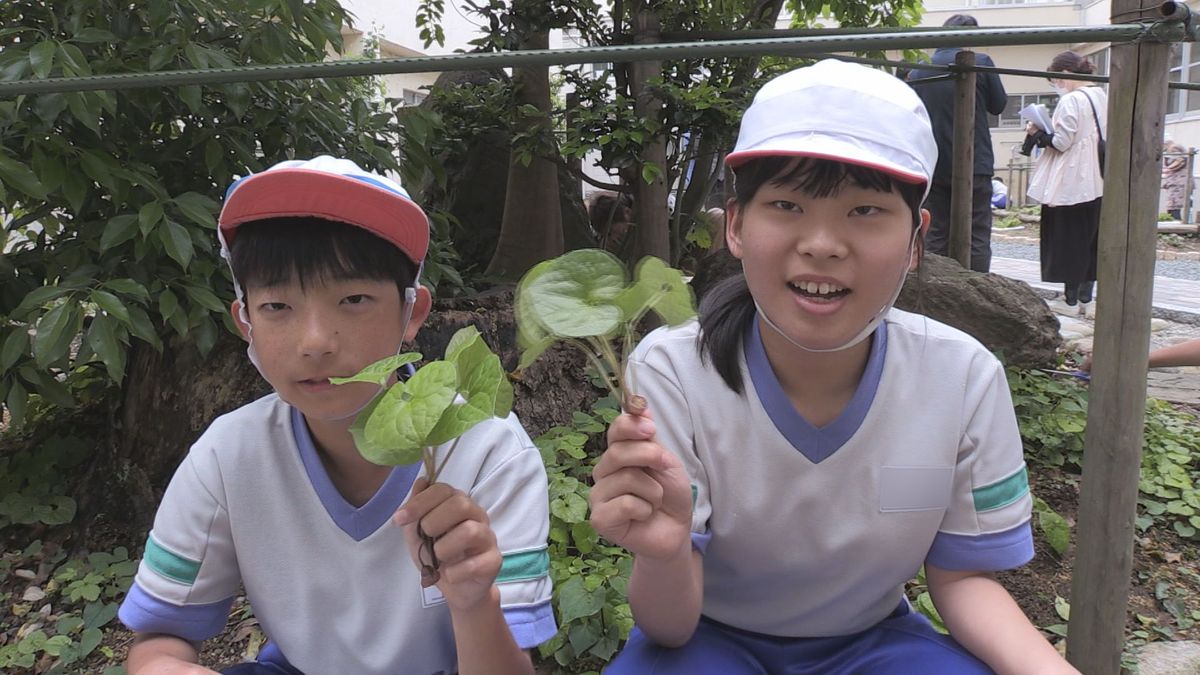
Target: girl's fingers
<point>629,427</point>
<point>635,482</point>
<point>616,514</point>
<point>636,454</point>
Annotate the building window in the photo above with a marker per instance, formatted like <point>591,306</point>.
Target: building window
<point>411,97</point>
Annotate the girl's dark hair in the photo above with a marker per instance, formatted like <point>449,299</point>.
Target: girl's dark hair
<point>727,309</point>
<point>1070,62</point>
<point>306,249</point>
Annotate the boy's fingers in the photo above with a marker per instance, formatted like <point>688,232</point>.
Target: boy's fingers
<point>631,428</point>
<point>447,514</point>
<point>422,500</point>
<point>479,567</point>
<point>466,539</point>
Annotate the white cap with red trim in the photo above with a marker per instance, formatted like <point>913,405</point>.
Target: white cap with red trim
<point>840,111</point>
<point>333,189</point>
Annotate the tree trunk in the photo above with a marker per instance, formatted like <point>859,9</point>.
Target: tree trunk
<point>168,400</point>
<point>652,233</point>
<point>531,228</point>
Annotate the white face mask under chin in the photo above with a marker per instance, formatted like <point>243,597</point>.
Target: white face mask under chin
<point>871,325</point>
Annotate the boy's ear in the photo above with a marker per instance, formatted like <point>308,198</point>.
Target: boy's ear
<point>420,312</point>
<point>235,309</point>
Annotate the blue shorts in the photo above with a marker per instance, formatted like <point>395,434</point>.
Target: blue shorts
<point>270,662</point>
<point>905,642</point>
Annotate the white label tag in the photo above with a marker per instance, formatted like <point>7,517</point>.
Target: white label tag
<point>431,597</point>
<point>915,488</point>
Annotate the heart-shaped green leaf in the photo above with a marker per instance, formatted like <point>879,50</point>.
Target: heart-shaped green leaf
<point>574,296</point>
<point>483,387</point>
<point>399,426</point>
<point>664,290</point>
<point>381,370</point>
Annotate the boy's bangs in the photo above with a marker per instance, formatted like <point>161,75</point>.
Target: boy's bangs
<point>278,251</point>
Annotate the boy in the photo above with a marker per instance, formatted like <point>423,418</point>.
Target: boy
<point>275,497</point>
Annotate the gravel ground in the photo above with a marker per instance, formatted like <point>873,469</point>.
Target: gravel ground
<point>1176,269</point>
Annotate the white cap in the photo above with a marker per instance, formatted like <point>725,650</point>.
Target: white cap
<point>844,112</point>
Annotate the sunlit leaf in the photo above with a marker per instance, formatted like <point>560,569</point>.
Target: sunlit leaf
<point>380,371</point>
<point>575,296</point>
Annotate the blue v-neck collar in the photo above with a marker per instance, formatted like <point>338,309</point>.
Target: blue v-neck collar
<point>358,522</point>
<point>815,443</point>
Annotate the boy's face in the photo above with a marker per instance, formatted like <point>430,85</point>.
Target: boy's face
<point>334,329</point>
<point>821,268</point>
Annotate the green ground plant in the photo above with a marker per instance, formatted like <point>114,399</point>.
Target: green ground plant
<point>1053,416</point>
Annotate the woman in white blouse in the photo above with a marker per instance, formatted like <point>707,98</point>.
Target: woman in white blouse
<point>1068,180</point>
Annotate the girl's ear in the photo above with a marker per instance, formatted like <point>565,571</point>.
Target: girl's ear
<point>235,309</point>
<point>926,218</point>
<point>420,312</point>
<point>733,228</point>
<point>918,250</point>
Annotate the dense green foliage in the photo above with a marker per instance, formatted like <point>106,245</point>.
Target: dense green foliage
<point>1053,415</point>
<point>110,198</point>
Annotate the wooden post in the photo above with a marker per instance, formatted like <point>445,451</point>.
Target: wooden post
<point>1117,394</point>
<point>964,160</point>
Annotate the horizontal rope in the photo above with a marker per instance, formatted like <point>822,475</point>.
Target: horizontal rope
<point>1172,31</point>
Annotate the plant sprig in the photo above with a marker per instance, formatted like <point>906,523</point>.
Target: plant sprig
<point>585,299</point>
<point>438,404</point>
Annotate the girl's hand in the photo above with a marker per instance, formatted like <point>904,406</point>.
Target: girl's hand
<point>464,542</point>
<point>641,498</point>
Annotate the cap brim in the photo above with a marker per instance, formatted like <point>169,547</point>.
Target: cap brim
<point>826,148</point>
<point>303,192</point>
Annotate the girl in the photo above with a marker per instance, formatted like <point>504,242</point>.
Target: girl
<point>1068,180</point>
<point>811,447</point>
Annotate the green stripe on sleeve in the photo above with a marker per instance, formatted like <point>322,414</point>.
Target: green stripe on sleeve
<point>524,565</point>
<point>1002,492</point>
<point>169,564</point>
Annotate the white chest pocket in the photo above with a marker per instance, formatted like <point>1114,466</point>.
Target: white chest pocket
<point>915,488</point>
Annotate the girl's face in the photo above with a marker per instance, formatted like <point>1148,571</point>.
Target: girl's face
<point>822,267</point>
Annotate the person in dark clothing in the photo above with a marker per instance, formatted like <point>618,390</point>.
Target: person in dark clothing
<point>990,98</point>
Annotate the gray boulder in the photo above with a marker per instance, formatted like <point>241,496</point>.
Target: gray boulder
<point>1169,658</point>
<point>1006,315</point>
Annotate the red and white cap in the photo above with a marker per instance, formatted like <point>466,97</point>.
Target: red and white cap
<point>844,112</point>
<point>329,188</point>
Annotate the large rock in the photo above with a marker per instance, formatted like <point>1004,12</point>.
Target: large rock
<point>1169,658</point>
<point>1007,316</point>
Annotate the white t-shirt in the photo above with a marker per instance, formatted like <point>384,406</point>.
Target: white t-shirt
<point>333,586</point>
<point>812,532</point>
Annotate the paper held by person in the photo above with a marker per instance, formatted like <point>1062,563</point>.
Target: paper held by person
<point>1038,114</point>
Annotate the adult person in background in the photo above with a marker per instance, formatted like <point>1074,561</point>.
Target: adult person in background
<point>938,97</point>
<point>1175,175</point>
<point>1068,179</point>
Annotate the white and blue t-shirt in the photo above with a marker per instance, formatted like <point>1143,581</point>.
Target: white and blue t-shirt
<point>332,585</point>
<point>813,531</point>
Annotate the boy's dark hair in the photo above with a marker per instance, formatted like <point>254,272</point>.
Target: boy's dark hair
<point>306,249</point>
<point>728,308</point>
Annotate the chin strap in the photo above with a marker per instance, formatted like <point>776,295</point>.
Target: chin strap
<point>871,325</point>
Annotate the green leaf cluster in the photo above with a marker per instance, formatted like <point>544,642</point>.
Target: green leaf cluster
<point>590,578</point>
<point>32,482</point>
<point>439,403</point>
<point>85,593</point>
<point>110,240</point>
<point>1052,415</point>
<point>585,298</point>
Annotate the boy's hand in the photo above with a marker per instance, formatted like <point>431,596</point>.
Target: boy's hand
<point>466,549</point>
<point>641,498</point>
